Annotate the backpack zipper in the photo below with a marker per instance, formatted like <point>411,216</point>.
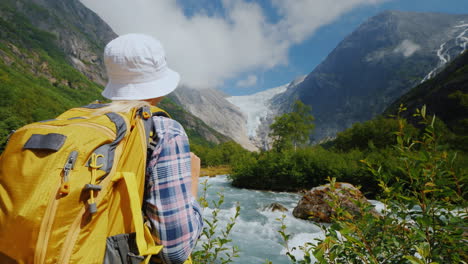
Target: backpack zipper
<point>46,227</point>
<point>107,130</point>
<point>69,165</point>
<point>75,228</point>
<point>51,210</point>
<point>49,216</point>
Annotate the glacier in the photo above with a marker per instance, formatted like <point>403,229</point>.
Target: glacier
<point>256,107</point>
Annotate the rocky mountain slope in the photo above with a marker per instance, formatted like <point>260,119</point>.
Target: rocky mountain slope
<point>211,106</point>
<point>51,60</point>
<point>37,77</point>
<point>380,61</point>
<point>198,131</point>
<point>78,31</point>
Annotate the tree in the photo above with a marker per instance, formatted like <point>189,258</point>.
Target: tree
<point>292,129</point>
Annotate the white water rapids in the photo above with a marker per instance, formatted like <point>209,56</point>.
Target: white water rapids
<point>256,230</point>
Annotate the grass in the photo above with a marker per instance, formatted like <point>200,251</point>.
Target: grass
<point>212,171</point>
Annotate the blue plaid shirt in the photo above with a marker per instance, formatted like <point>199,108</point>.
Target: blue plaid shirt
<point>174,214</point>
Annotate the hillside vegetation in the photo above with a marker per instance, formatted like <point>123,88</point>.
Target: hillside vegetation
<point>36,81</point>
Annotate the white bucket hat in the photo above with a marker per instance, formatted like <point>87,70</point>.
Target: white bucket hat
<point>137,69</point>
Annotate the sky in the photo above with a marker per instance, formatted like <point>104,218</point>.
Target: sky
<point>246,46</point>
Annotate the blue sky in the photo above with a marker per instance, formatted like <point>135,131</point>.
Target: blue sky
<point>246,46</point>
<point>304,57</point>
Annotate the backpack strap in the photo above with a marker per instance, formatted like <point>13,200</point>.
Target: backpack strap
<point>144,239</point>
<point>150,130</point>
<point>146,113</point>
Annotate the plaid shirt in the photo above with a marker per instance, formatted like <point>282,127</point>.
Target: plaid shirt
<point>174,214</point>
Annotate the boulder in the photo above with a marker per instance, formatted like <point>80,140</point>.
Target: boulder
<point>275,207</point>
<point>314,204</point>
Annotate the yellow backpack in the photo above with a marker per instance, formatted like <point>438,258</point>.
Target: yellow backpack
<point>71,189</point>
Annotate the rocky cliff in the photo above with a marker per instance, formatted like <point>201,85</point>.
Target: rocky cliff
<point>38,76</point>
<point>211,106</point>
<point>79,32</point>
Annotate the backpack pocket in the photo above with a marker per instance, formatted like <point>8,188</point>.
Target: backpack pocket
<point>122,249</point>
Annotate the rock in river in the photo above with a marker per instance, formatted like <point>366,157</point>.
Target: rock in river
<point>314,204</point>
<point>275,207</point>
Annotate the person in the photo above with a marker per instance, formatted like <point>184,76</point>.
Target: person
<point>139,75</point>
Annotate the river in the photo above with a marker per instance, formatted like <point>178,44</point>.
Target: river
<point>256,230</point>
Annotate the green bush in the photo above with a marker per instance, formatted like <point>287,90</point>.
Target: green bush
<point>424,221</point>
<point>221,154</point>
<point>373,134</point>
<point>293,170</point>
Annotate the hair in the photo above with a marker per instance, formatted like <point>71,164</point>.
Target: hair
<point>120,107</point>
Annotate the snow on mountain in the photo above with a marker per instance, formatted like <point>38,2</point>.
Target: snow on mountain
<point>377,63</point>
<point>260,111</point>
<point>446,54</point>
<point>256,107</point>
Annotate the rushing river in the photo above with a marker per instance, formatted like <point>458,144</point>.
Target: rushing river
<point>256,230</point>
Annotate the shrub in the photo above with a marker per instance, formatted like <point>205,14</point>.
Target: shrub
<point>215,247</point>
<point>424,218</point>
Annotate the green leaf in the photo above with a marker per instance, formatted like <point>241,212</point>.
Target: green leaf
<point>423,111</point>
<point>414,260</point>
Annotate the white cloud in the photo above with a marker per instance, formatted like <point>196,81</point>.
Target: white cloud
<point>407,48</point>
<point>209,49</point>
<point>250,81</point>
<point>301,18</point>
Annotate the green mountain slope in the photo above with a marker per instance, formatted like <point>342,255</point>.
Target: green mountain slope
<point>36,80</point>
<point>50,61</point>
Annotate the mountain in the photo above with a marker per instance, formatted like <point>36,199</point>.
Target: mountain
<point>38,79</point>
<point>260,111</point>
<point>445,95</point>
<point>197,130</point>
<point>51,60</point>
<point>211,106</point>
<point>376,64</point>
<point>77,31</point>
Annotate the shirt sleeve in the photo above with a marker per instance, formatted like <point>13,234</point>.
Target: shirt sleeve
<point>174,214</point>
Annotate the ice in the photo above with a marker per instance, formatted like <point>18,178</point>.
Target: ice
<point>256,107</point>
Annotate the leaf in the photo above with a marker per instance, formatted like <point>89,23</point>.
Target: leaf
<point>424,248</point>
<point>414,260</point>
<point>430,184</point>
<point>423,111</point>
